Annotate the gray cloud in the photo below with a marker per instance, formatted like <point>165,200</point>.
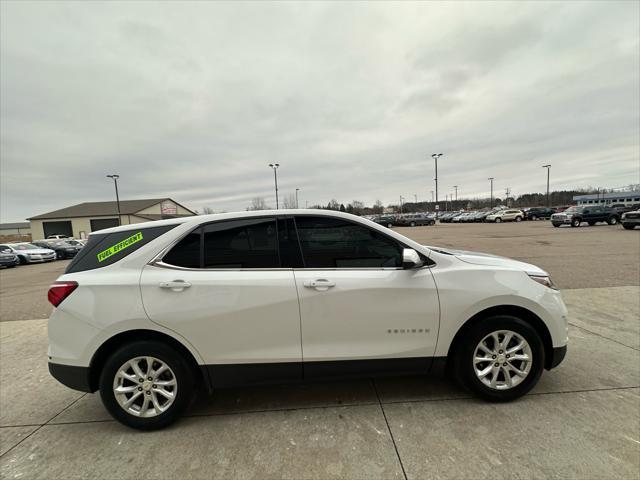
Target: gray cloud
<point>193,100</point>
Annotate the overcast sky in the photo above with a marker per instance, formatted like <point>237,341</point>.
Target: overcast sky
<point>193,100</point>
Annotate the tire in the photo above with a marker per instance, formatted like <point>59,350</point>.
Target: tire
<point>556,225</point>
<point>389,225</point>
<point>178,370</point>
<point>518,219</point>
<point>412,224</point>
<point>628,226</point>
<point>575,222</point>
<point>612,220</point>
<point>498,220</point>
<point>464,367</point>
<point>534,218</point>
<point>591,224</point>
<point>23,260</point>
<point>59,256</point>
<point>432,222</point>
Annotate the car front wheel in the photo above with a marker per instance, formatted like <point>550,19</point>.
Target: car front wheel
<point>500,359</point>
<point>518,219</point>
<point>146,385</point>
<point>575,222</point>
<point>498,220</point>
<point>612,220</point>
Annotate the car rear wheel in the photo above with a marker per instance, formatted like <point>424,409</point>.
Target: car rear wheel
<point>389,225</point>
<point>575,222</point>
<point>146,385</point>
<point>518,219</point>
<point>612,220</point>
<point>556,225</point>
<point>533,217</point>
<point>498,220</point>
<point>500,359</point>
<point>412,224</point>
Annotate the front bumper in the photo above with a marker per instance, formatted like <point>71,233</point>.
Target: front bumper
<point>557,356</point>
<point>630,221</point>
<point>71,376</point>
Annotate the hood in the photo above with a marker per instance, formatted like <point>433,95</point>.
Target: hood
<point>479,258</point>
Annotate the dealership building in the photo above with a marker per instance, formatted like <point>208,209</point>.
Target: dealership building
<point>620,198</point>
<point>80,220</point>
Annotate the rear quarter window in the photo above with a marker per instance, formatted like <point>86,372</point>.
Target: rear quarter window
<point>106,249</point>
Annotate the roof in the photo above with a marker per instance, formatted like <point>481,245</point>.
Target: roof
<point>10,226</point>
<point>102,209</point>
<point>595,196</point>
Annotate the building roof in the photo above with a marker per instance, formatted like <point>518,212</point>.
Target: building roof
<point>595,196</point>
<point>104,209</point>
<point>13,226</point>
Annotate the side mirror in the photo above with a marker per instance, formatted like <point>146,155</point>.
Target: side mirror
<point>411,259</point>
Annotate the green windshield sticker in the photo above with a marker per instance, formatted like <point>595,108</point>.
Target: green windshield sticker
<point>127,242</point>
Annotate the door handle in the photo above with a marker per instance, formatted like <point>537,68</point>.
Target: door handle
<point>321,284</point>
<point>175,285</point>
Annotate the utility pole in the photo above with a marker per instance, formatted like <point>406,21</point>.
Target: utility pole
<point>115,182</point>
<point>548,167</point>
<point>275,176</point>
<point>507,191</point>
<point>436,156</point>
<point>456,187</point>
<point>401,199</point>
<point>491,180</point>
<point>297,190</point>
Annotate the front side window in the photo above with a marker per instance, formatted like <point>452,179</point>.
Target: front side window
<point>328,242</point>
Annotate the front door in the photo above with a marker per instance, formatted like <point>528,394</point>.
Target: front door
<point>360,311</point>
<point>222,288</point>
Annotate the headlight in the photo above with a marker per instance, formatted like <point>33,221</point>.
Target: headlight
<point>544,280</point>
<point>624,215</point>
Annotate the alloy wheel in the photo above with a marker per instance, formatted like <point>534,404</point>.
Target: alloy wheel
<point>145,387</point>
<point>502,360</point>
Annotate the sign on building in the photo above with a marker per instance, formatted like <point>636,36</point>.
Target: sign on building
<point>168,208</point>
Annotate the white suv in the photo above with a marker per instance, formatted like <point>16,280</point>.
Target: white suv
<point>147,313</point>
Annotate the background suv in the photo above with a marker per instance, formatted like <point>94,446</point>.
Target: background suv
<point>508,215</point>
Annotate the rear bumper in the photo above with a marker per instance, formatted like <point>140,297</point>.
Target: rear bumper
<point>71,376</point>
<point>557,356</point>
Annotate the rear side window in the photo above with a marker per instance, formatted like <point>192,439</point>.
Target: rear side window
<point>335,243</point>
<point>248,243</point>
<point>108,248</point>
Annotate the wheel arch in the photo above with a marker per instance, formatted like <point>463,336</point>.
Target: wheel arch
<point>513,310</point>
<point>113,343</point>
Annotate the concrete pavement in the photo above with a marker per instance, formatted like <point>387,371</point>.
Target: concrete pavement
<point>581,421</point>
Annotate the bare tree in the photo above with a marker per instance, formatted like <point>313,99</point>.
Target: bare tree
<point>289,201</point>
<point>357,207</point>
<point>378,207</point>
<point>207,210</point>
<point>333,205</point>
<point>258,203</point>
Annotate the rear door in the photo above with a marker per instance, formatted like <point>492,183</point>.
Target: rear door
<point>223,288</point>
<point>360,311</point>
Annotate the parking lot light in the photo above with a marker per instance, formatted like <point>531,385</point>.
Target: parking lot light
<point>436,156</point>
<point>115,181</point>
<point>548,167</point>
<point>491,201</point>
<point>275,177</point>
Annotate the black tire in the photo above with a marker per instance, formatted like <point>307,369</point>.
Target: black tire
<point>612,220</point>
<point>23,260</point>
<point>576,222</point>
<point>412,224</point>
<point>628,226</point>
<point>498,220</point>
<point>389,225</point>
<point>556,225</point>
<point>184,376</point>
<point>463,355</point>
<point>432,222</point>
<point>591,224</point>
<point>59,256</point>
<point>534,218</point>
<point>518,219</point>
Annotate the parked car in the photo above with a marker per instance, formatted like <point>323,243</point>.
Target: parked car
<point>416,219</point>
<point>536,213</point>
<point>630,220</point>
<point>57,237</point>
<point>8,259</point>
<point>147,312</point>
<point>63,248</point>
<point>29,253</point>
<point>575,216</point>
<point>508,215</point>
<point>77,243</point>
<point>386,220</point>
<point>621,208</point>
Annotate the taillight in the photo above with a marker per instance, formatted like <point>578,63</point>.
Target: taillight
<point>59,291</point>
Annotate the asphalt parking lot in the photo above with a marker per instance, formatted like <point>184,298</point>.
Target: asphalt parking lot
<point>581,421</point>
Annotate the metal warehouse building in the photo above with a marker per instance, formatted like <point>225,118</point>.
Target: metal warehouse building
<point>80,220</point>
<point>626,198</point>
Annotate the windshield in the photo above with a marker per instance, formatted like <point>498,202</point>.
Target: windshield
<point>26,246</point>
<point>571,209</point>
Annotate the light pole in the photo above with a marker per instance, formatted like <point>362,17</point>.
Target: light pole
<point>275,177</point>
<point>436,156</point>
<point>297,190</point>
<point>456,187</point>
<point>401,199</point>
<point>548,167</point>
<point>491,180</point>
<point>115,182</point>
